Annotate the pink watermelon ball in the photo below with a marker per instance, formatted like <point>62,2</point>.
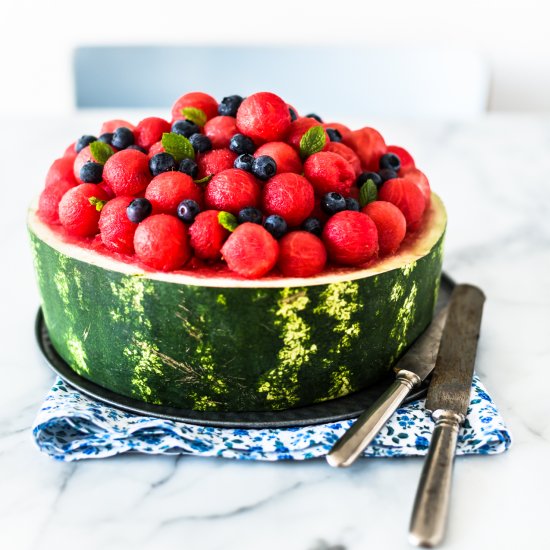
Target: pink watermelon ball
<point>77,214</point>
<point>369,145</point>
<point>207,235</point>
<point>263,117</point>
<point>346,153</point>
<point>48,203</point>
<point>116,230</point>
<point>109,126</point>
<point>286,158</point>
<point>220,130</point>
<point>351,238</point>
<point>390,223</point>
<point>301,254</point>
<point>407,196</point>
<point>199,100</point>
<point>61,170</point>
<point>215,161</point>
<point>231,191</point>
<point>127,172</point>
<point>161,242</point>
<point>168,189</point>
<point>329,172</point>
<point>150,130</point>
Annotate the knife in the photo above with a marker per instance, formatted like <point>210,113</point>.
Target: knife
<point>411,370</point>
<point>448,399</point>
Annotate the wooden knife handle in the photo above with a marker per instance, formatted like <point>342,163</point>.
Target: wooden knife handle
<point>346,450</point>
<point>431,505</point>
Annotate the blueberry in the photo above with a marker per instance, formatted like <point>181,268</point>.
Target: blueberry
<point>188,210</point>
<point>138,210</point>
<point>391,161</point>
<point>276,225</point>
<point>229,105</point>
<point>122,138</point>
<point>363,177</point>
<point>137,148</point>
<point>107,138</point>
<point>264,167</point>
<point>83,141</point>
<point>313,225</point>
<point>185,128</point>
<point>293,114</point>
<point>352,204</point>
<point>241,144</point>
<point>244,162</point>
<point>250,214</point>
<point>200,143</point>
<point>316,117</point>
<point>334,135</point>
<point>387,174</point>
<point>161,162</point>
<point>91,172</point>
<point>332,203</point>
<point>189,167</point>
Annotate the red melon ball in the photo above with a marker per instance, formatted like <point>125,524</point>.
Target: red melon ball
<point>79,210</point>
<point>344,130</point>
<point>207,235</point>
<point>263,117</point>
<point>407,162</point>
<point>421,181</point>
<point>298,128</point>
<point>286,158</point>
<point>84,156</point>
<point>407,197</point>
<point>168,189</point>
<point>109,126</point>
<point>301,254</point>
<point>156,148</point>
<point>220,130</point>
<point>150,130</point>
<point>199,100</point>
<point>369,145</point>
<point>161,242</point>
<point>116,230</point>
<point>390,224</point>
<point>329,172</point>
<point>250,251</point>
<point>346,153</point>
<point>61,170</point>
<point>215,161</point>
<point>48,203</point>
<point>231,191</point>
<point>127,172</point>
<point>351,238</point>
<point>290,196</point>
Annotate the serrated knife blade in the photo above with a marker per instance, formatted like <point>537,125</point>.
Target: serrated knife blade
<point>411,370</point>
<point>448,399</point>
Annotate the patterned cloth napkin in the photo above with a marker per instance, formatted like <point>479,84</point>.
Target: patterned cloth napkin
<point>71,426</point>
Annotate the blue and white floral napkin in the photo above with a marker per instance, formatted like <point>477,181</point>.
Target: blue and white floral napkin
<point>71,426</point>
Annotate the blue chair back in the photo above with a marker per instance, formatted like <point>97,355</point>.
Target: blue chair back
<point>343,81</point>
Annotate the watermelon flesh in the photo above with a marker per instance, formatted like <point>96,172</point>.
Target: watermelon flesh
<point>217,342</point>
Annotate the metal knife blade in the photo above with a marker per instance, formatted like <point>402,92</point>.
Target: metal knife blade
<point>420,358</point>
<point>454,367</point>
<point>410,370</point>
<point>448,398</point>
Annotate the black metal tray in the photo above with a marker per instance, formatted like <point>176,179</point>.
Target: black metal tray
<point>343,408</point>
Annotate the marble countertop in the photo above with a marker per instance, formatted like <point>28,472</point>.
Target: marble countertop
<point>493,174</point>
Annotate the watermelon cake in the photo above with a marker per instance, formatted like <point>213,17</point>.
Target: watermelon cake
<point>236,256</point>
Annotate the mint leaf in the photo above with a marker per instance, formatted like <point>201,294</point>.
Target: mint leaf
<point>98,203</point>
<point>198,116</point>
<point>313,141</point>
<point>100,151</point>
<point>368,193</point>
<point>178,146</point>
<point>204,180</point>
<point>228,221</point>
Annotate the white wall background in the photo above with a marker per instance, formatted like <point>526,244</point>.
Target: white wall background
<point>37,37</point>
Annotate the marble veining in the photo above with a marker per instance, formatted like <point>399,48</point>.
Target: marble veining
<point>493,176</point>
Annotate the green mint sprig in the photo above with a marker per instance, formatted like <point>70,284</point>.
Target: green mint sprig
<point>368,193</point>
<point>313,141</point>
<point>100,151</point>
<point>198,116</point>
<point>178,146</point>
<point>228,221</point>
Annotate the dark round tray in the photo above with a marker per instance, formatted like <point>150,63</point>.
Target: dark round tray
<point>343,408</point>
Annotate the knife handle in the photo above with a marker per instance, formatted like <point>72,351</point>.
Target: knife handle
<point>354,441</point>
<point>431,505</point>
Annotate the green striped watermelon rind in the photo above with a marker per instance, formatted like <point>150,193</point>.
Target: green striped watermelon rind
<point>231,344</point>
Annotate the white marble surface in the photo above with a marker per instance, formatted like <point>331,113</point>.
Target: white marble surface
<point>494,177</point>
